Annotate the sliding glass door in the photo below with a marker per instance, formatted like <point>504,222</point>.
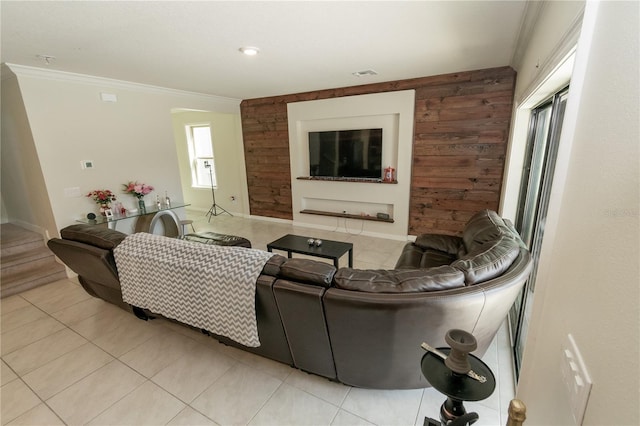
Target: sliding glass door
<point>539,165</point>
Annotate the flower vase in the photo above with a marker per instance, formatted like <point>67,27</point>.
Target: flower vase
<point>104,208</point>
<point>141,207</point>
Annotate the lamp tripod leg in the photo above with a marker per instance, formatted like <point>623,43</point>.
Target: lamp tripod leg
<point>213,211</point>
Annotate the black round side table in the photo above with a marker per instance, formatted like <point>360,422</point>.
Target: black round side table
<point>456,387</point>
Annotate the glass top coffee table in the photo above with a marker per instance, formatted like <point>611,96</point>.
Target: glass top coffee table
<point>298,244</point>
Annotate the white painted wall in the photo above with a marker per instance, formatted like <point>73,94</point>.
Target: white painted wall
<point>393,112</point>
<point>131,139</point>
<point>4,216</point>
<point>231,175</point>
<point>25,200</point>
<point>588,271</point>
<point>544,67</point>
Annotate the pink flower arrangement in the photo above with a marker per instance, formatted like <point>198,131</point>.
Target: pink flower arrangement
<point>102,196</point>
<point>137,189</point>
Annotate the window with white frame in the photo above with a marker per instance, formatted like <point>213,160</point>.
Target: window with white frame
<point>203,171</point>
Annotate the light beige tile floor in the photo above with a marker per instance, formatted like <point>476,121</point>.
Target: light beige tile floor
<point>68,358</point>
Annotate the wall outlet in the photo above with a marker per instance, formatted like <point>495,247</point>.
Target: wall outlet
<point>576,378</point>
<point>86,164</point>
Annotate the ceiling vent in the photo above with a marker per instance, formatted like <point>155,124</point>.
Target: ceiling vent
<point>365,72</point>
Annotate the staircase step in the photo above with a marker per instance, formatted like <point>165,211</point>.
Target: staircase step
<point>15,239</point>
<point>25,280</point>
<point>26,261</point>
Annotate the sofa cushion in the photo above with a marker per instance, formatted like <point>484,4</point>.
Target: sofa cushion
<point>488,260</point>
<point>97,236</point>
<point>414,257</point>
<point>483,227</point>
<point>308,271</point>
<point>449,244</point>
<point>399,281</point>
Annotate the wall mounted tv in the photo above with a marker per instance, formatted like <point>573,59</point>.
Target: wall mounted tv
<point>346,153</point>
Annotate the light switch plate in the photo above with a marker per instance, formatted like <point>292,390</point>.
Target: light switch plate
<point>576,378</point>
<point>72,192</point>
<point>108,97</point>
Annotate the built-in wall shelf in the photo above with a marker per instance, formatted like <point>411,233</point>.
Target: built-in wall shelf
<point>345,179</point>
<point>346,215</point>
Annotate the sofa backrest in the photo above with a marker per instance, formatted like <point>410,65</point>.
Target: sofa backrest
<point>399,280</point>
<point>97,236</point>
<point>491,247</point>
<point>483,227</point>
<point>383,332</point>
<point>87,251</point>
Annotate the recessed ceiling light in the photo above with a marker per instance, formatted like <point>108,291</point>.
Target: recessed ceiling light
<point>249,50</point>
<point>365,72</point>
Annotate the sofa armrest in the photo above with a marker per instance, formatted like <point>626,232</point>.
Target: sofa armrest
<point>308,271</point>
<point>446,243</point>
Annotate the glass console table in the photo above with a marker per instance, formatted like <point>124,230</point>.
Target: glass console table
<point>146,221</point>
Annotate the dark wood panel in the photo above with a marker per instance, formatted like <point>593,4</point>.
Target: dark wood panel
<point>461,131</point>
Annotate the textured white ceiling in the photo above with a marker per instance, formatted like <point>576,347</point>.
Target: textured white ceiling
<point>304,45</point>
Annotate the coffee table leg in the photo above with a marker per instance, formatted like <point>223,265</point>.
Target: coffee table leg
<point>289,254</point>
<point>351,258</point>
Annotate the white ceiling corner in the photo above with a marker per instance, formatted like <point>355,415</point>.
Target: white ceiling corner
<point>193,46</point>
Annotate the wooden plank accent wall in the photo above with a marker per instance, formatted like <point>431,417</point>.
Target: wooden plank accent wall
<point>461,131</point>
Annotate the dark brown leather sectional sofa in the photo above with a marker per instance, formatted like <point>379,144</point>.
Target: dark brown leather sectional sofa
<point>360,327</point>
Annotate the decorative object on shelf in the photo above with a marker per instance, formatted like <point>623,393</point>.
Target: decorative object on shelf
<point>311,241</point>
<point>91,216</point>
<point>318,243</point>
<point>167,200</point>
<point>389,174</point>
<point>102,197</point>
<point>119,210</point>
<point>138,190</point>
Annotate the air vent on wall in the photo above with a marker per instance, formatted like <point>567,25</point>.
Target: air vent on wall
<point>365,72</point>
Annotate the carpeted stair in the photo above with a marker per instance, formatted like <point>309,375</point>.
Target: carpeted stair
<point>26,261</point>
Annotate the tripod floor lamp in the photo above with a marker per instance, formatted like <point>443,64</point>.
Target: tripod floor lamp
<point>213,211</point>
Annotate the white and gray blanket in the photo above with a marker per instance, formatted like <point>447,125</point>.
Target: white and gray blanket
<point>206,286</point>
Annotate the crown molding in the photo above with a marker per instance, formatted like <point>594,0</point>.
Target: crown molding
<point>527,25</point>
<point>49,74</point>
<point>563,49</point>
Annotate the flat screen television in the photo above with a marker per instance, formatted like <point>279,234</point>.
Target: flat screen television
<point>346,153</point>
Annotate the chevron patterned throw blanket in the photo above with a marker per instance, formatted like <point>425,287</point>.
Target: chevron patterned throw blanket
<point>206,286</point>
